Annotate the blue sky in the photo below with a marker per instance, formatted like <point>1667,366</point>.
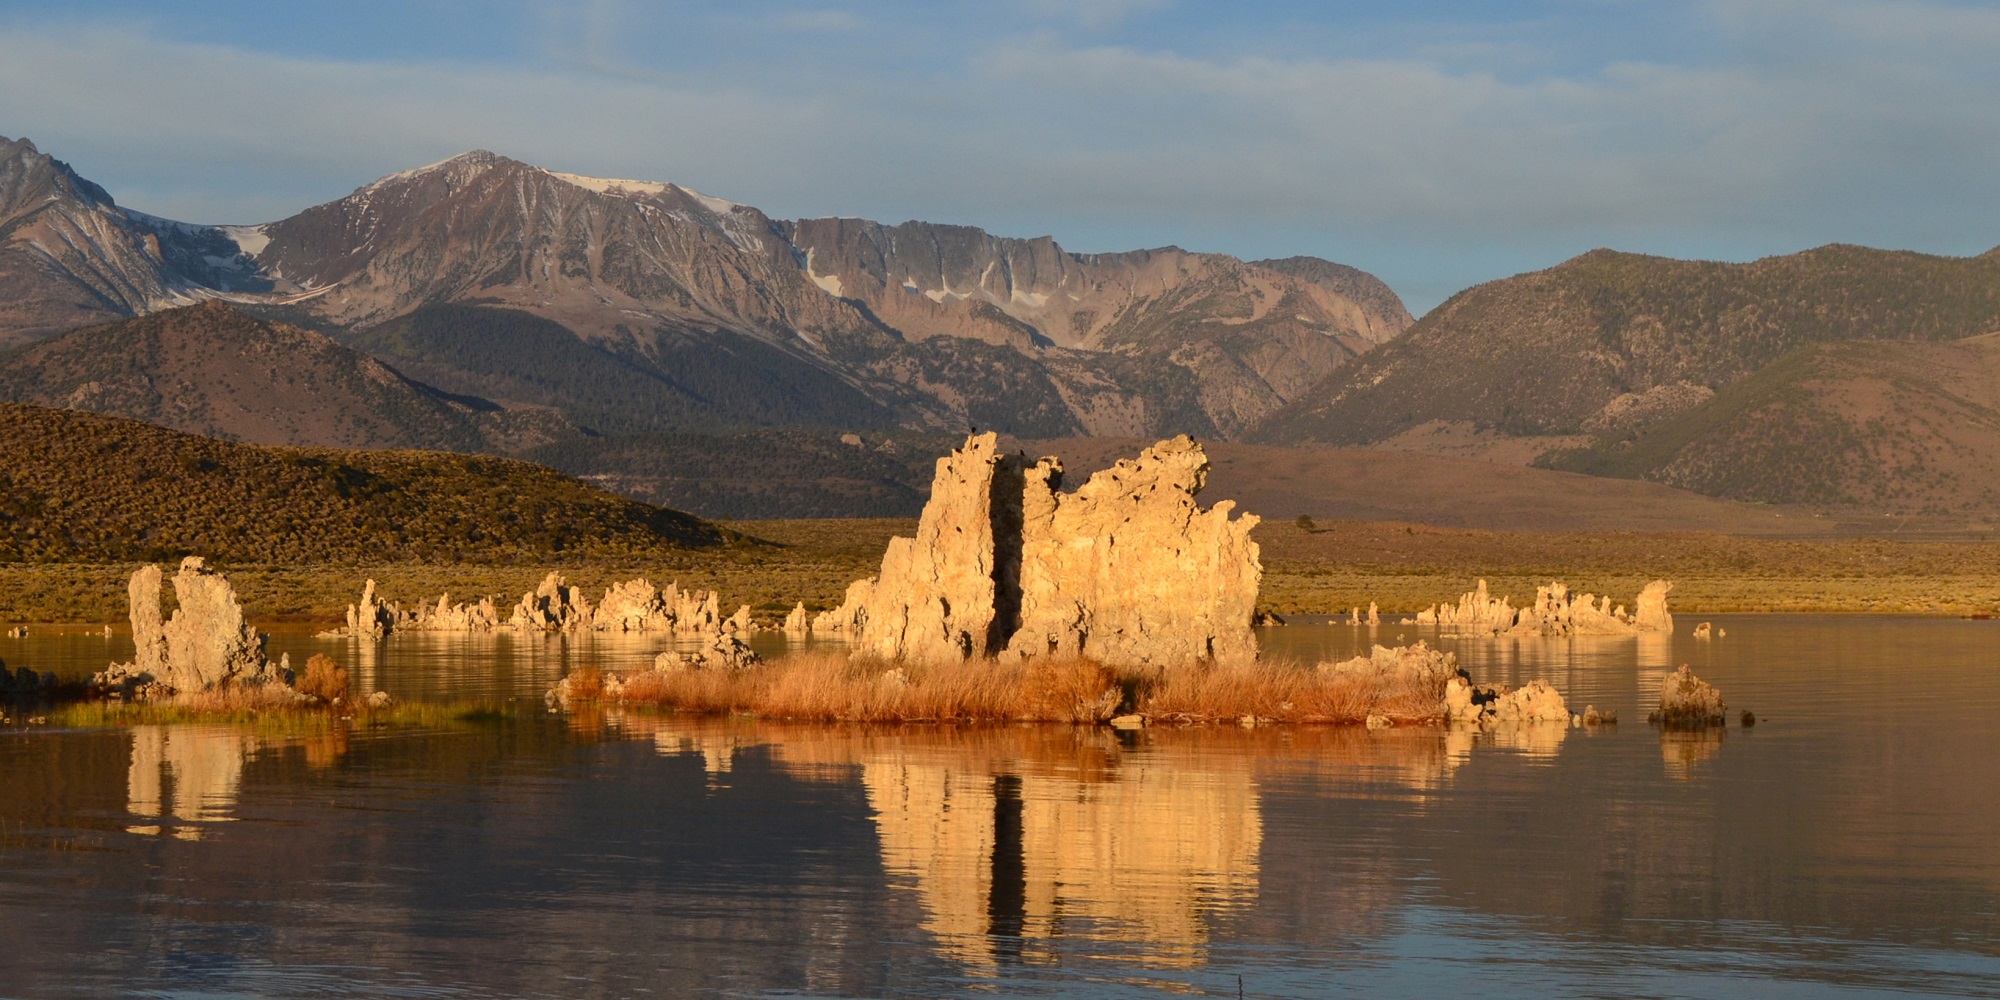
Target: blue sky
<point>1437,144</point>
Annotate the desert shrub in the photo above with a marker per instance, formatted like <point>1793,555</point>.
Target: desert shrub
<point>324,679</point>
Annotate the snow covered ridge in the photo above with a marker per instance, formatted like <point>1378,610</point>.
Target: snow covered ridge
<point>612,185</point>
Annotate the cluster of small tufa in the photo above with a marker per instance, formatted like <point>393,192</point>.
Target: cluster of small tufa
<point>553,606</point>
<point>1556,612</point>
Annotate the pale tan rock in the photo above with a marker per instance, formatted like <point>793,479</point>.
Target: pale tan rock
<point>1374,615</point>
<point>1687,700</point>
<point>552,607</point>
<point>632,606</point>
<point>1127,570</point>
<point>718,651</point>
<point>798,623</point>
<point>1476,611</point>
<point>1651,614</point>
<point>1535,701</point>
<point>1704,630</point>
<point>740,623</point>
<point>205,645</point>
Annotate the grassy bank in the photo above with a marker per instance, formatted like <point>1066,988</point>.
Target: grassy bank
<point>1335,566</point>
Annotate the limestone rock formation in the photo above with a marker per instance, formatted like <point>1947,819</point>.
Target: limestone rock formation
<point>552,607</point>
<point>798,623</point>
<point>1556,612</point>
<point>370,618</point>
<point>1476,611</point>
<point>632,606</point>
<point>716,651</point>
<point>1688,701</point>
<point>1128,570</point>
<point>629,606</point>
<point>1650,610</point>
<point>1535,701</point>
<point>1416,665</point>
<point>205,645</point>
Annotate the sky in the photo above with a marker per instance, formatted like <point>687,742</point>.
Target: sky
<point>1435,143</point>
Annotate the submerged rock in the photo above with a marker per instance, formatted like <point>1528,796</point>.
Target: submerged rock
<point>1688,701</point>
<point>1128,570</point>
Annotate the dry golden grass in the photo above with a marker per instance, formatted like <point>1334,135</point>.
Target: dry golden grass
<point>827,687</point>
<point>1282,691</point>
<point>832,687</point>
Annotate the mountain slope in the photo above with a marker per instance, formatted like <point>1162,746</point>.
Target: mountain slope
<point>210,369</point>
<point>727,317</point>
<point>1906,427</point>
<point>84,487</point>
<point>70,256</point>
<point>1611,341</point>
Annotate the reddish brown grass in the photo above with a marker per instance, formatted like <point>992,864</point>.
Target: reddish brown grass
<point>324,680</point>
<point>1281,691</point>
<point>832,687</point>
<point>836,688</point>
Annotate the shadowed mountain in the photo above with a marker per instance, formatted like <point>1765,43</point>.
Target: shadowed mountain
<point>85,487</point>
<point>1907,427</point>
<point>210,369</point>
<point>1613,343</point>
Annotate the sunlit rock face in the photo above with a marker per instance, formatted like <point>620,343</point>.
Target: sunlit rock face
<point>206,644</point>
<point>1128,570</point>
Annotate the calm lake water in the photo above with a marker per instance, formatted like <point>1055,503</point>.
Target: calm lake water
<point>1848,845</point>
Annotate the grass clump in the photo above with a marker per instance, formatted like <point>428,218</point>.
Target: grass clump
<point>324,680</point>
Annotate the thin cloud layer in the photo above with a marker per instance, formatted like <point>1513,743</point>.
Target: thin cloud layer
<point>1436,166</point>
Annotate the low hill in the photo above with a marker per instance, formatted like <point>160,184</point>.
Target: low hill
<point>210,369</point>
<point>778,473</point>
<point>1372,484</point>
<point>84,487</point>
<point>1611,342</point>
<point>1909,428</point>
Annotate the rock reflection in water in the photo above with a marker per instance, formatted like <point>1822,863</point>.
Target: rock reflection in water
<point>192,774</point>
<point>1013,839</point>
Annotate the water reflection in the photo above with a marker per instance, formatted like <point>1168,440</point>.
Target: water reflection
<point>191,774</point>
<point>1849,844</point>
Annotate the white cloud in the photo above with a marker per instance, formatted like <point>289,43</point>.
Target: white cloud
<point>1834,120</point>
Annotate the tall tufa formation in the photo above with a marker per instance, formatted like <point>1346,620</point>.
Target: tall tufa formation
<point>1128,570</point>
<point>205,645</point>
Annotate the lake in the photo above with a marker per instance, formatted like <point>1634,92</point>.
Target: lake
<point>1846,845</point>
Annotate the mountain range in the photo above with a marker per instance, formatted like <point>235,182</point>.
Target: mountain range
<point>645,306</point>
<point>689,350</point>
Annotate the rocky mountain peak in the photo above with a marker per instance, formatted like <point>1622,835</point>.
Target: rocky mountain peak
<point>30,178</point>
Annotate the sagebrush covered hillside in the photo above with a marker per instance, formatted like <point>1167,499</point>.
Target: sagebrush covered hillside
<point>80,486</point>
